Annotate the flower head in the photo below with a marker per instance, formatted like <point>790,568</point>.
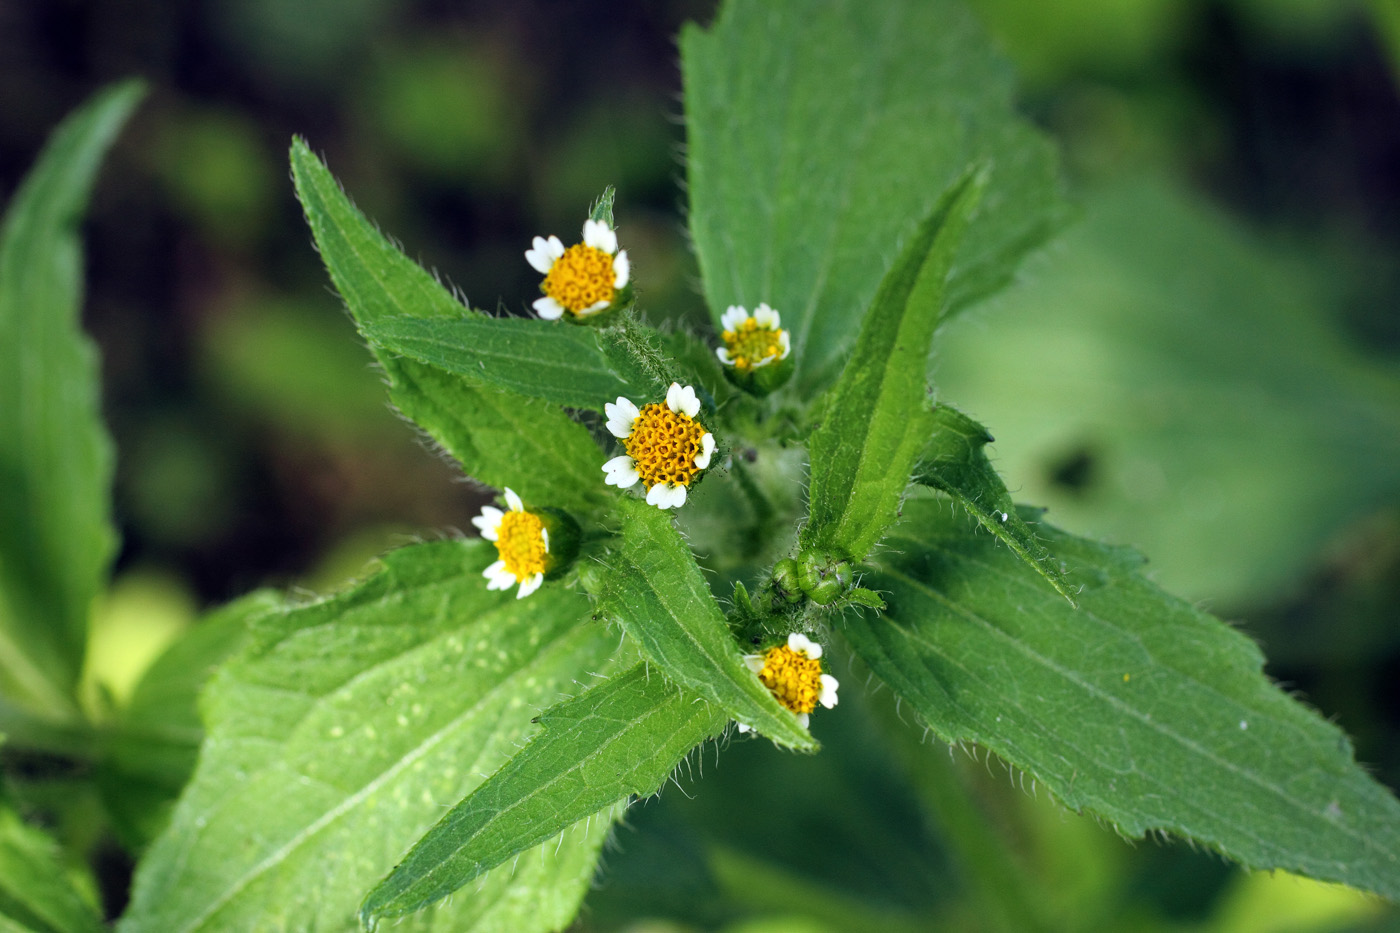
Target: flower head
<point>584,279</point>
<point>752,342</point>
<point>666,447</point>
<point>522,543</point>
<point>792,672</point>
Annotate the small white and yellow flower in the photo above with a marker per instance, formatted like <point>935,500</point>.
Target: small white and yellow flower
<point>793,674</point>
<point>584,279</point>
<point>522,543</point>
<point>666,447</point>
<point>752,342</point>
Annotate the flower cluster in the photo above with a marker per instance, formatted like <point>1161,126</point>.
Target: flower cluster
<point>792,672</point>
<point>585,279</point>
<point>752,342</point>
<point>666,447</point>
<point>522,544</point>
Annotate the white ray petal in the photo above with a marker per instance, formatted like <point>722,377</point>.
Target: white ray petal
<point>513,500</point>
<point>529,586</point>
<point>801,643</point>
<point>621,414</point>
<point>621,472</point>
<point>489,522</point>
<point>622,269</point>
<point>548,309</point>
<point>707,449</point>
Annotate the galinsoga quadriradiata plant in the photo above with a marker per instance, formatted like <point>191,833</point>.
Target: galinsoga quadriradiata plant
<point>705,534</point>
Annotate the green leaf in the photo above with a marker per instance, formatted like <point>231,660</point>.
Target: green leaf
<point>621,739</point>
<point>653,587</point>
<point>149,755</point>
<point>499,437</point>
<point>1172,382</point>
<point>56,535</point>
<point>818,137</point>
<point>954,461</point>
<point>560,363</point>
<point>1137,707</point>
<point>876,419</point>
<point>347,726</point>
<point>35,892</point>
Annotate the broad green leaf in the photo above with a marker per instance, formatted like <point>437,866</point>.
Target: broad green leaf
<point>35,893</point>
<point>1173,383</point>
<point>619,740</point>
<point>819,136</point>
<point>499,437</point>
<point>56,536</point>
<point>954,461</point>
<point>560,363</point>
<point>1136,707</point>
<point>348,725</point>
<point>148,756</point>
<point>876,419</point>
<point>654,589</point>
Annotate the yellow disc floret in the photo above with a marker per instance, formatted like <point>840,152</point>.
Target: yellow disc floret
<point>521,545</point>
<point>664,445</point>
<point>581,278</point>
<point>792,677</point>
<point>749,344</point>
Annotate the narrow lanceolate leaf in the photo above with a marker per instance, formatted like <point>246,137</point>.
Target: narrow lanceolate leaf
<point>56,535</point>
<point>819,135</point>
<point>549,360</point>
<point>1136,707</point>
<point>954,461</point>
<point>35,893</point>
<point>653,587</point>
<point>876,419</point>
<point>499,437</point>
<point>344,732</point>
<point>619,740</point>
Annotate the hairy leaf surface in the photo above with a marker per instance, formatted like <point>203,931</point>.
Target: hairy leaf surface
<point>877,419</point>
<point>347,728</point>
<point>653,587</point>
<point>818,137</point>
<point>621,739</point>
<point>500,438</point>
<point>56,535</point>
<point>35,894</point>
<point>560,363</point>
<point>954,461</point>
<point>1136,707</point>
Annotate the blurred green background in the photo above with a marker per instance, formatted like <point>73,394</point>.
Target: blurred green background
<point>1206,365</point>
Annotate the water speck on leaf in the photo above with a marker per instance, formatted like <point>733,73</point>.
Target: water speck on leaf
<point>1243,725</point>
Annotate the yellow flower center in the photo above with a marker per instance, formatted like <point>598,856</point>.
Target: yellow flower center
<point>664,445</point>
<point>520,543</point>
<point>792,677</point>
<point>581,278</point>
<point>751,344</point>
